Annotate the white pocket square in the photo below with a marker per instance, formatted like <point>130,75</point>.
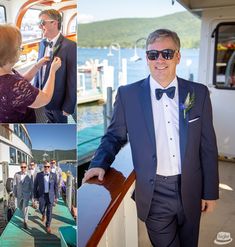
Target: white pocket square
<point>193,120</point>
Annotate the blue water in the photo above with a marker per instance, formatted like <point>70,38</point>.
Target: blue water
<point>93,114</point>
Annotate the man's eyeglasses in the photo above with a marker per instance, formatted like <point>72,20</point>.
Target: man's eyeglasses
<point>43,22</point>
<point>23,167</point>
<point>167,54</point>
<point>47,166</point>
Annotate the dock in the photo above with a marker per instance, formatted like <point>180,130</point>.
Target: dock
<point>88,142</point>
<point>36,236</point>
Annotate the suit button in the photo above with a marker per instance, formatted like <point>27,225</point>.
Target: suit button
<point>154,158</point>
<point>151,181</point>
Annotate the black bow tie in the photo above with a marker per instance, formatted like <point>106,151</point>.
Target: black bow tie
<point>46,174</point>
<point>170,92</point>
<point>48,43</point>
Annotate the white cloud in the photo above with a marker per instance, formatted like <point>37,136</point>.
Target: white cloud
<point>85,18</point>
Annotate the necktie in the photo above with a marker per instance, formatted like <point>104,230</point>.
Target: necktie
<point>48,43</point>
<point>46,174</point>
<point>170,92</point>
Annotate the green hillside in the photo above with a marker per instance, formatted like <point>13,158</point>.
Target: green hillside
<point>127,31</point>
<point>56,154</point>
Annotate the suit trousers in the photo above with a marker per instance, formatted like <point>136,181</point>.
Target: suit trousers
<point>46,206</point>
<point>23,205</point>
<point>55,116</point>
<point>166,223</point>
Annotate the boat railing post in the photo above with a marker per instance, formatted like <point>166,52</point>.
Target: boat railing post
<point>69,190</point>
<point>74,197</point>
<point>107,108</point>
<point>104,117</point>
<point>5,175</point>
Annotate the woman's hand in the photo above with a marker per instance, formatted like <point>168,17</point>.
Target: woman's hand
<point>55,65</point>
<point>42,61</point>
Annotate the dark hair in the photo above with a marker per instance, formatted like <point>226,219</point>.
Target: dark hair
<point>163,33</point>
<point>54,15</point>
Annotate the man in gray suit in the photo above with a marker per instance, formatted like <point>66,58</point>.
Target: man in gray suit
<point>23,188</point>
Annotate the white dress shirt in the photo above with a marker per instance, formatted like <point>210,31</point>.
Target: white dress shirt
<point>166,126</point>
<point>46,182</point>
<point>22,176</point>
<point>48,52</point>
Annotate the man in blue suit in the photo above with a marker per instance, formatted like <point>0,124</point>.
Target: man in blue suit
<point>46,192</point>
<point>54,43</point>
<point>168,122</point>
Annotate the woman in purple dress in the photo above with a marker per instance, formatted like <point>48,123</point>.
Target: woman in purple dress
<point>17,96</point>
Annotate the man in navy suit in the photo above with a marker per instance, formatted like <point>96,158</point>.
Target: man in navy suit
<point>55,44</point>
<point>46,192</point>
<point>168,122</point>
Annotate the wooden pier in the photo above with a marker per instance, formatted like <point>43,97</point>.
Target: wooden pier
<point>14,235</point>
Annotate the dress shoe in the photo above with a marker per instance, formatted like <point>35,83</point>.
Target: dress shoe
<point>25,225</point>
<point>43,218</point>
<point>48,229</point>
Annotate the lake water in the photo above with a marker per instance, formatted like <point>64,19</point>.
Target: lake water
<point>92,114</point>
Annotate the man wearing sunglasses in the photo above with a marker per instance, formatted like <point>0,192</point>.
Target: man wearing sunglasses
<point>22,190</point>
<point>54,44</point>
<point>169,124</point>
<point>46,192</point>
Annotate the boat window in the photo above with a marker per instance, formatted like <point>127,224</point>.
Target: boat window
<point>224,65</point>
<point>12,155</point>
<point>2,14</point>
<point>72,25</point>
<point>16,129</point>
<point>19,156</point>
<point>29,26</point>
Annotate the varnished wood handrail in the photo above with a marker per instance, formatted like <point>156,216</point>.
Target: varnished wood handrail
<point>98,201</point>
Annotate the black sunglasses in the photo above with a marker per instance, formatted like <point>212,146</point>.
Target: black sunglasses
<point>167,54</point>
<point>46,166</point>
<point>43,22</point>
<point>23,167</point>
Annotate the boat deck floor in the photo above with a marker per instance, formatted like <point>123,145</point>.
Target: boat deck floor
<point>15,235</point>
<point>223,218</point>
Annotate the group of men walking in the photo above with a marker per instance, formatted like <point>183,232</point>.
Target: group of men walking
<point>38,186</point>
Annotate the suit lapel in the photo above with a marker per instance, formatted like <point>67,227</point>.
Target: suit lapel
<point>184,89</point>
<point>146,104</point>
<point>42,49</point>
<point>56,49</point>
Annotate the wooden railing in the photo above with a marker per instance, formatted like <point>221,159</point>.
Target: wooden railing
<point>99,201</point>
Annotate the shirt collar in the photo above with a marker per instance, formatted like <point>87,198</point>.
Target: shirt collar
<point>154,85</point>
<point>54,40</point>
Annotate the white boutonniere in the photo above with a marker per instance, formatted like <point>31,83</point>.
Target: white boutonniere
<point>188,103</point>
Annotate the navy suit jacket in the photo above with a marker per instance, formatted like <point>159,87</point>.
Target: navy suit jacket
<point>133,119</point>
<point>39,186</point>
<point>64,96</point>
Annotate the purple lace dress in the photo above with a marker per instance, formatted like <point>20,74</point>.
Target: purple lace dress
<point>16,94</point>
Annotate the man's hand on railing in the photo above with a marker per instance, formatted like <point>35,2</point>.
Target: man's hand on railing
<point>94,172</point>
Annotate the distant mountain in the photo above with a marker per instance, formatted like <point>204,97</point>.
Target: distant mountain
<point>127,31</point>
<point>56,154</point>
